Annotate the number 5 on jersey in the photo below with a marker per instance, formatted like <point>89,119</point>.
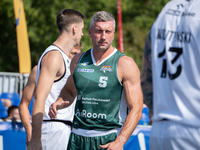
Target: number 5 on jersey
<point>103,81</point>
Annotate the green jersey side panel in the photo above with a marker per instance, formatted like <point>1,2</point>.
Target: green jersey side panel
<point>99,93</point>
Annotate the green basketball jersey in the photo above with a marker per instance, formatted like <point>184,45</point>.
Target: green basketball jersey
<point>99,93</point>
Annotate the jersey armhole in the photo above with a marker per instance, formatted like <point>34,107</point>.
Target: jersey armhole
<point>117,68</point>
<point>63,61</point>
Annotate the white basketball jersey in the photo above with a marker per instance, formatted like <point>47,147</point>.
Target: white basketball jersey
<point>63,114</point>
<point>175,43</point>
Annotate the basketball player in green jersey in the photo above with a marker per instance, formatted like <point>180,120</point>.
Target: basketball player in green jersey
<point>105,81</point>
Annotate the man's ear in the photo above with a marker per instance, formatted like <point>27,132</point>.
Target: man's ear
<point>89,31</point>
<point>74,29</point>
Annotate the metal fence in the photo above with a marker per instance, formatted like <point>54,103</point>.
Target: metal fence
<point>12,82</point>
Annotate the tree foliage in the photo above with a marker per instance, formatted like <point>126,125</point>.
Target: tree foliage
<point>137,18</point>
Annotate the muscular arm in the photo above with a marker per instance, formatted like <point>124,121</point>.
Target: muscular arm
<point>51,69</point>
<point>27,96</point>
<point>129,74</point>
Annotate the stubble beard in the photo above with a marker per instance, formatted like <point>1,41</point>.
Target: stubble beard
<point>104,48</point>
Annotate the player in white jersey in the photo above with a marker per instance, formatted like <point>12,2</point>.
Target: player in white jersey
<point>28,93</point>
<point>61,127</point>
<point>52,73</point>
<point>171,76</point>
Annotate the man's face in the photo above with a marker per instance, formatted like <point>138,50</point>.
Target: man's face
<point>15,114</point>
<point>102,34</point>
<point>74,51</point>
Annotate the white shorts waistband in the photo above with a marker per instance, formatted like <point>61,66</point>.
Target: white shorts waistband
<point>94,133</point>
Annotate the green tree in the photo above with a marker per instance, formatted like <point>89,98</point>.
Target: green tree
<point>8,43</point>
<point>137,18</point>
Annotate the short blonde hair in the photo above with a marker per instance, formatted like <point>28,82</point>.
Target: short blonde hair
<point>102,16</point>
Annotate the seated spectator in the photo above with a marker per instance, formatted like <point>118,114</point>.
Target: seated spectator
<point>13,113</point>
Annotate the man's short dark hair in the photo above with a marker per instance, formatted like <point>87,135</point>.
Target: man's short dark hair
<point>67,17</point>
<point>11,108</point>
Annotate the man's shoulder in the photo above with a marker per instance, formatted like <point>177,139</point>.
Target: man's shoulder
<point>125,59</point>
<point>126,63</point>
<point>52,47</point>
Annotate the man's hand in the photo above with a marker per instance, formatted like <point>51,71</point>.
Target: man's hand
<point>116,145</point>
<point>28,137</point>
<point>53,109</point>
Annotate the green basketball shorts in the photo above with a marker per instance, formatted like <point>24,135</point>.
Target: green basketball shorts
<point>78,142</point>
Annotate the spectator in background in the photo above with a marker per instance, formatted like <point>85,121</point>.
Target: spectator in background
<point>13,113</point>
<point>171,77</point>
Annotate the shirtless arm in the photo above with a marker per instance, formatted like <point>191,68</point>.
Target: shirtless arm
<point>27,96</point>
<point>51,66</point>
<point>129,74</point>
